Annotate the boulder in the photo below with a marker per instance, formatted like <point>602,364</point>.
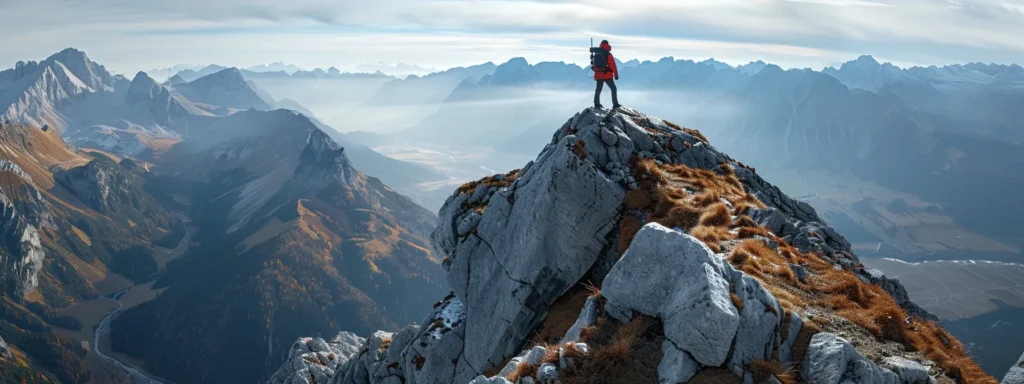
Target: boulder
<point>677,366</point>
<point>674,276</point>
<point>833,360</point>
<point>909,371</point>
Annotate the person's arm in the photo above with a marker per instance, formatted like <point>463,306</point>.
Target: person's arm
<point>611,64</point>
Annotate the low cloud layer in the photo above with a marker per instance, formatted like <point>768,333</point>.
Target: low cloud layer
<point>129,35</point>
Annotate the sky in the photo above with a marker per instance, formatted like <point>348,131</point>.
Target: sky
<point>131,35</point>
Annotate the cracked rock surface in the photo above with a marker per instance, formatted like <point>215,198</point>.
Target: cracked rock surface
<point>1016,373</point>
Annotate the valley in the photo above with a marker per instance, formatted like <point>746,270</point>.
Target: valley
<point>116,295</point>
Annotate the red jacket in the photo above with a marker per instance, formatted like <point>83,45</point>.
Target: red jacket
<point>613,70</point>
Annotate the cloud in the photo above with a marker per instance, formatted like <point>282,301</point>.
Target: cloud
<point>133,34</point>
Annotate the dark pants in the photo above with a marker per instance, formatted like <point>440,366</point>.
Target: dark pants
<point>600,86</point>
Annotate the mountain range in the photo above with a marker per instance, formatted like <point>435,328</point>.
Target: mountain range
<point>186,190</point>
<point>192,230</point>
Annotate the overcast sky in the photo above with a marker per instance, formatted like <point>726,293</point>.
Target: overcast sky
<point>132,35</point>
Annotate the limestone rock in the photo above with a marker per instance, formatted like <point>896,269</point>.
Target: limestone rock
<point>1016,373</point>
<point>547,373</point>
<point>493,380</point>
<point>674,276</point>
<point>313,360</point>
<point>588,315</point>
<point>833,360</point>
<point>520,261</point>
<point>909,371</point>
<point>5,351</point>
<point>676,365</point>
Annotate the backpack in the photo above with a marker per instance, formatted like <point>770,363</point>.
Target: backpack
<point>599,59</point>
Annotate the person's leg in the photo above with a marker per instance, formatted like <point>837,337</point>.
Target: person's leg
<point>615,93</point>
<point>597,93</point>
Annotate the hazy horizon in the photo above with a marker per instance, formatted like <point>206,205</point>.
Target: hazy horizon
<point>132,36</point>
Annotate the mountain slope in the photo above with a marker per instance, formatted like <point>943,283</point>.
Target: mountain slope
<point>291,237</point>
<point>33,92</point>
<point>657,259</point>
<point>59,250</point>
<point>228,89</point>
<point>808,120</point>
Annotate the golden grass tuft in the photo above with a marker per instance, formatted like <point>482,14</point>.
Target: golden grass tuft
<point>490,181</point>
<point>711,236</point>
<point>763,371</point>
<point>697,134</point>
<point>609,362</point>
<point>580,148</point>
<point>523,370</point>
<point>737,301</point>
<point>744,221</point>
<point>750,232</point>
<point>636,199</point>
<point>629,225</point>
<point>716,215</point>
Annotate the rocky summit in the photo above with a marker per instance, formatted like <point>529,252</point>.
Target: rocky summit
<point>633,251</point>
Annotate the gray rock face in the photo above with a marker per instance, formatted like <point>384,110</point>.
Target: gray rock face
<point>588,315</point>
<point>535,239</point>
<point>5,352</point>
<point>22,212</point>
<point>677,366</point>
<point>1016,373</point>
<point>313,360</point>
<point>833,360</point>
<point>909,372</point>
<point>514,244</point>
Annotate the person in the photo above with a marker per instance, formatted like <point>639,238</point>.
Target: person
<point>605,74</point>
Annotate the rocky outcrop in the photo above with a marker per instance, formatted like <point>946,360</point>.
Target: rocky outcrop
<point>22,212</point>
<point>313,360</point>
<point>5,351</point>
<point>1016,373</point>
<point>514,244</point>
<point>103,185</point>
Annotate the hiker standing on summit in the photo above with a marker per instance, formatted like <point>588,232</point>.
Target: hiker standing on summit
<point>605,71</point>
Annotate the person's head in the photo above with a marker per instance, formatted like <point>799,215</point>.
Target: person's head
<point>605,45</point>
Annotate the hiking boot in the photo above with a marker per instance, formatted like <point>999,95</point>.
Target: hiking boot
<point>616,106</point>
<point>598,106</point>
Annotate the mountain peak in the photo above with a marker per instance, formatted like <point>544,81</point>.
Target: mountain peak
<point>143,87</point>
<point>627,220</point>
<point>866,61</point>
<point>69,55</point>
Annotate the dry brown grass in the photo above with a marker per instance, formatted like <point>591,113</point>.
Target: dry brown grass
<point>607,362</point>
<point>711,236</point>
<point>523,370</point>
<point>697,134</point>
<point>750,232</point>
<point>636,199</point>
<point>580,148</point>
<point>715,215</point>
<point>629,225</point>
<point>563,314</point>
<point>676,193</point>
<point>737,301</point>
<point>763,370</point>
<point>490,181</point>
